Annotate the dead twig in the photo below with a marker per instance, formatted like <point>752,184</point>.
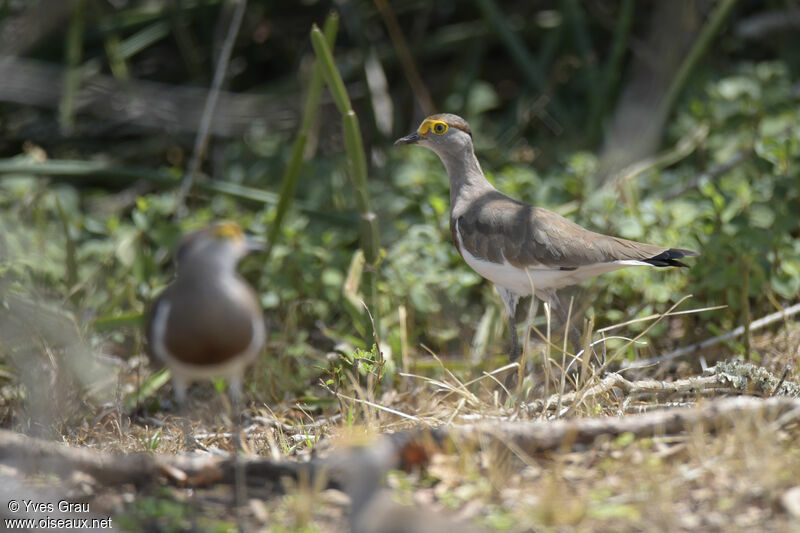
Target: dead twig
<point>737,159</point>
<point>616,381</point>
<point>534,437</point>
<point>725,377</point>
<point>767,24</point>
<point>347,468</point>
<point>140,104</point>
<point>33,455</point>
<point>756,324</point>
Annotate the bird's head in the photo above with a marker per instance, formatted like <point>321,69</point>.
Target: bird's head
<point>220,246</point>
<point>445,134</point>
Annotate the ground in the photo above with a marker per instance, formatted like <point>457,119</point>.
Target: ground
<point>733,478</point>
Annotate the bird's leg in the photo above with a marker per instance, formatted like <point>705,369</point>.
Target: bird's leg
<point>532,310</point>
<point>510,299</point>
<point>516,350</point>
<point>240,481</point>
<point>180,386</point>
<point>571,331</point>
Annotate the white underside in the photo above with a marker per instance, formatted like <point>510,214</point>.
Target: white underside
<point>184,374</point>
<point>541,278</point>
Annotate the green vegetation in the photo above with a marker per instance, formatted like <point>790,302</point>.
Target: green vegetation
<point>361,283</point>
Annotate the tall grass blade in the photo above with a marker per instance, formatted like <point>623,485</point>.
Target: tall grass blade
<point>420,90</point>
<point>201,140</point>
<point>515,46</point>
<point>72,78</point>
<point>143,39</point>
<point>697,51</point>
<point>292,172</point>
<point>186,41</point>
<point>332,77</point>
<point>354,146</point>
<point>580,32</point>
<point>612,70</point>
<point>71,261</point>
<point>92,170</point>
<point>746,263</point>
<point>116,61</point>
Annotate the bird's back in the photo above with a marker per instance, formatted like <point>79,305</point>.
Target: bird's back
<point>494,227</point>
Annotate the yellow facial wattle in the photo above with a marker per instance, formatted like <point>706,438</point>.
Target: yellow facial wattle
<point>438,127</point>
<point>229,230</point>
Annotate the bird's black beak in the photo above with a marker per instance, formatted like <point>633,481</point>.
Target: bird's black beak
<point>408,139</point>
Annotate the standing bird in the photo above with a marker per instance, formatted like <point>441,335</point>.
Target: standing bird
<point>521,248</point>
<point>208,322</point>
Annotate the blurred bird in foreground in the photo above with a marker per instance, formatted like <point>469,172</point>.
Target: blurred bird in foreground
<point>208,323</point>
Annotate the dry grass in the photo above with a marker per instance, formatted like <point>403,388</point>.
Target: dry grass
<point>727,480</point>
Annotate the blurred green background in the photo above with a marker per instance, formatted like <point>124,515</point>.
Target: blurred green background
<point>675,123</point>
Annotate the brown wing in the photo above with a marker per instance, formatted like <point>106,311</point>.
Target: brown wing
<point>206,326</point>
<point>497,227</point>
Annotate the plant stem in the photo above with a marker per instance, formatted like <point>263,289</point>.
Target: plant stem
<point>354,146</point>
<point>292,172</point>
<point>201,141</point>
<point>72,78</point>
<point>699,49</point>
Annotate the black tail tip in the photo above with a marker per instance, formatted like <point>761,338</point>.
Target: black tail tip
<point>669,258</point>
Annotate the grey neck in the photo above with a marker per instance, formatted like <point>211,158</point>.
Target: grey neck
<point>209,268</point>
<point>466,177</point>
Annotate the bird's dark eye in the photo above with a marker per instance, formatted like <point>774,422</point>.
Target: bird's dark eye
<point>439,128</point>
